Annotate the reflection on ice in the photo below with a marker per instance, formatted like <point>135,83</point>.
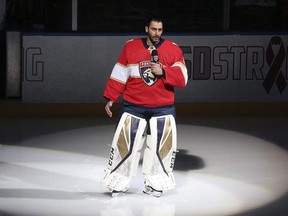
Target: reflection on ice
<point>219,172</point>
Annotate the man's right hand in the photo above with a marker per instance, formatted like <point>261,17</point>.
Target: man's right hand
<point>109,104</point>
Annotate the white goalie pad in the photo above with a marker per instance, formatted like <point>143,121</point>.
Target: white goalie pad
<point>160,153</point>
<point>125,152</point>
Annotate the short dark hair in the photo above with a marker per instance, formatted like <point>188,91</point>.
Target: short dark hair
<point>151,19</point>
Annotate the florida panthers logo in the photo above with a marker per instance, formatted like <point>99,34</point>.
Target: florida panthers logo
<point>146,73</point>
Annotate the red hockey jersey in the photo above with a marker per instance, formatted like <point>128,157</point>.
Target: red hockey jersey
<point>132,76</point>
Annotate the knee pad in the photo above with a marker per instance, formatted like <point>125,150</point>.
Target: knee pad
<point>125,152</point>
<point>160,153</point>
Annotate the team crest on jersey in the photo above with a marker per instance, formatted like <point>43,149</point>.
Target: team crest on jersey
<point>146,73</point>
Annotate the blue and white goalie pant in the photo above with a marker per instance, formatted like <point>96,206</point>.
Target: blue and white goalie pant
<point>159,152</point>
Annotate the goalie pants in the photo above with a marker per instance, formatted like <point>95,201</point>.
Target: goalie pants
<point>137,124</point>
<point>146,112</point>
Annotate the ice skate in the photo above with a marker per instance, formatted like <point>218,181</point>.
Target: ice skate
<point>115,193</point>
<point>151,191</point>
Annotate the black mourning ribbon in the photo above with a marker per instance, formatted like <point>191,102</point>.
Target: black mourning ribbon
<point>275,62</point>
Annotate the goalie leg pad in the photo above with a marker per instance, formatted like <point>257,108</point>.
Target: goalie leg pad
<point>160,153</point>
<point>125,152</point>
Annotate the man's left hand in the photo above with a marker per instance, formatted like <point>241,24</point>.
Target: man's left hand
<point>156,69</point>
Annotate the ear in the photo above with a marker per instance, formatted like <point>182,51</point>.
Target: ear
<point>146,29</point>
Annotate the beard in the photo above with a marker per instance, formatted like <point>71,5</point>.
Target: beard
<point>154,39</point>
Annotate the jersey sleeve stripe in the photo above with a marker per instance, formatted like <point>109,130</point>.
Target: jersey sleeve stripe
<point>183,69</point>
<point>120,81</point>
<point>134,70</point>
<point>120,73</point>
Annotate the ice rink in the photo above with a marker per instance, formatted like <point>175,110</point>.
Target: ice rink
<point>233,165</point>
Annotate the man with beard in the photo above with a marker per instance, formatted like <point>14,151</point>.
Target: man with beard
<point>145,74</point>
